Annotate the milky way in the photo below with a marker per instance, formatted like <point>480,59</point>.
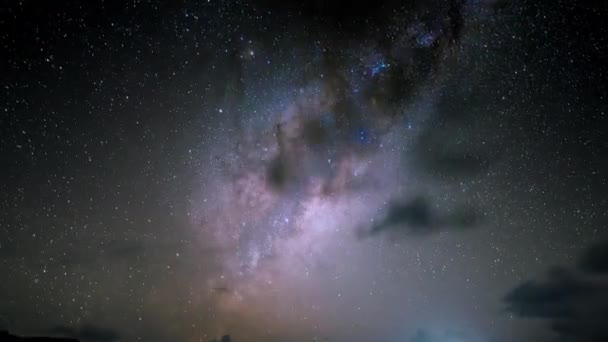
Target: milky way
<point>278,171</point>
<point>291,196</point>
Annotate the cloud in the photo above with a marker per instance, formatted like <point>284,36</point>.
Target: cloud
<point>555,297</point>
<point>417,217</point>
<point>86,333</point>
<point>595,260</point>
<point>455,146</point>
<point>449,162</point>
<point>574,301</point>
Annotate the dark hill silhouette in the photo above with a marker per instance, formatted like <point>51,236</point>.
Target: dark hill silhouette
<point>225,338</point>
<point>6,337</point>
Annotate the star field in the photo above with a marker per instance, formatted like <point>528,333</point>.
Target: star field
<point>282,171</point>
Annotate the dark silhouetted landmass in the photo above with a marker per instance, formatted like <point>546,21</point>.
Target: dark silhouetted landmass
<point>225,338</point>
<point>6,337</point>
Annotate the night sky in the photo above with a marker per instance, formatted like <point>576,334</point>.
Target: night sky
<point>408,171</point>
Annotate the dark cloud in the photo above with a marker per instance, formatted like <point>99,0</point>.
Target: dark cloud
<point>575,302</point>
<point>325,128</point>
<point>554,298</point>
<point>278,173</point>
<point>443,162</point>
<point>225,338</point>
<point>417,217</point>
<point>86,333</point>
<point>305,145</point>
<point>595,259</point>
<point>452,148</point>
